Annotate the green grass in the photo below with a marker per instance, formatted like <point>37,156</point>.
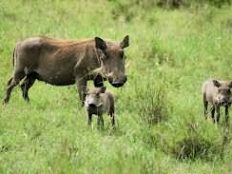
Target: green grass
<point>160,123</point>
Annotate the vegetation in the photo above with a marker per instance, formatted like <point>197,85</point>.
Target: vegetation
<point>160,123</point>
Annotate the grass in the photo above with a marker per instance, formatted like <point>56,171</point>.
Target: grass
<point>160,123</point>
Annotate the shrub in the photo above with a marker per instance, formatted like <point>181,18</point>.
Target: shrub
<point>130,9</point>
<point>151,104</point>
<point>197,145</point>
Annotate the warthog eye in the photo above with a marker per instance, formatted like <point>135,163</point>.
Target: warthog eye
<point>228,91</point>
<point>97,95</point>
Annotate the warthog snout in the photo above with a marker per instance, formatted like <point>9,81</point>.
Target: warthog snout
<point>222,100</point>
<point>119,82</point>
<point>91,105</point>
<point>92,101</point>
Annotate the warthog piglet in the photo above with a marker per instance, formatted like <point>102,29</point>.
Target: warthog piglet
<point>99,101</point>
<point>217,93</point>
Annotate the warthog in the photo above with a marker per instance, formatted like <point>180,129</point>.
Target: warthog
<point>218,93</point>
<point>98,102</point>
<point>61,62</point>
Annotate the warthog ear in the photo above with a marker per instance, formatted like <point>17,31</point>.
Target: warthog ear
<point>216,83</point>
<point>230,84</point>
<point>100,43</point>
<point>125,42</point>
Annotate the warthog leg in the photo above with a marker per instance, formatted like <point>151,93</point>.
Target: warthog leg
<point>81,86</point>
<point>89,119</point>
<point>112,115</point>
<point>26,85</point>
<point>100,121</point>
<point>12,82</point>
<point>112,119</point>
<point>217,114</point>
<point>205,106</point>
<point>227,113</point>
<point>212,113</point>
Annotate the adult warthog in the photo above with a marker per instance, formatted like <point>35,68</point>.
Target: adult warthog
<point>61,62</point>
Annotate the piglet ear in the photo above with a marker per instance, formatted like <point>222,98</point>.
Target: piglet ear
<point>216,83</point>
<point>101,89</point>
<point>125,42</point>
<point>100,43</point>
<point>230,84</point>
<point>86,92</point>
<point>98,81</point>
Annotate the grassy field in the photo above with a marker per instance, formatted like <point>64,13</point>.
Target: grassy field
<point>160,123</point>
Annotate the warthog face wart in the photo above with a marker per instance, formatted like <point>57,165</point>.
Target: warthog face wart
<point>112,60</point>
<point>223,96</point>
<point>93,100</point>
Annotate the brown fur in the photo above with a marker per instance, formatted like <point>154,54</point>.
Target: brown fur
<point>62,62</point>
<point>217,93</point>
<point>98,101</point>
